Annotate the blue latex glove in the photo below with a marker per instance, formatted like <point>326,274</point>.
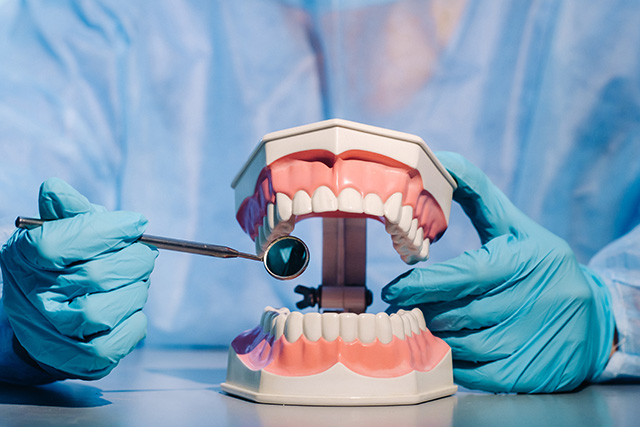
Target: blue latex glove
<point>74,288</point>
<point>520,313</point>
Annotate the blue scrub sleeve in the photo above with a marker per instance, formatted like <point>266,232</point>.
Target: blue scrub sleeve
<point>618,264</point>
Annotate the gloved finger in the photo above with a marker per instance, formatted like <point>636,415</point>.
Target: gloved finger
<point>508,376</point>
<point>472,273</point>
<point>57,244</point>
<point>122,339</point>
<point>488,376</point>
<point>105,272</point>
<point>478,312</point>
<point>509,336</point>
<point>490,211</point>
<point>76,359</point>
<point>528,368</point>
<point>57,199</point>
<point>483,345</point>
<point>96,313</point>
<point>98,357</point>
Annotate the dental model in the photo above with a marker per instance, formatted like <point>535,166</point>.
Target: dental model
<point>339,359</point>
<point>344,172</point>
<point>341,168</point>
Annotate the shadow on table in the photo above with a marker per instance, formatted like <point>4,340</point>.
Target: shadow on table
<point>59,394</point>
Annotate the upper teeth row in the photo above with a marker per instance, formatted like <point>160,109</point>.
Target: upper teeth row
<point>349,326</point>
<point>408,237</point>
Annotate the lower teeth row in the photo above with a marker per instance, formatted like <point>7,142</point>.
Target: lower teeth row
<point>365,327</point>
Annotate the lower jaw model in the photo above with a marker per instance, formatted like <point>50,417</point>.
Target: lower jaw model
<point>338,170</point>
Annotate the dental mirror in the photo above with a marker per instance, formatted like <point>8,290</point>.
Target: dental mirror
<point>285,258</point>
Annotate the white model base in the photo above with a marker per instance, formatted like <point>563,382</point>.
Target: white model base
<point>338,386</point>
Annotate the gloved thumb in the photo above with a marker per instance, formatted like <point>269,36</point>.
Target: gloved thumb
<point>489,209</point>
<point>58,199</point>
<point>470,274</point>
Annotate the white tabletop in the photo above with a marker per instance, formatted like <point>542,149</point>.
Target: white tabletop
<point>180,387</point>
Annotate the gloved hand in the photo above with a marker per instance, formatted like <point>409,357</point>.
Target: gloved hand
<point>74,288</point>
<point>520,313</point>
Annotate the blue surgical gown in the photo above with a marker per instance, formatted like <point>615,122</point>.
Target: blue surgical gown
<point>154,106</point>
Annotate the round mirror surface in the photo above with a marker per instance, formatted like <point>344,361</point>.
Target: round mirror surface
<point>286,258</point>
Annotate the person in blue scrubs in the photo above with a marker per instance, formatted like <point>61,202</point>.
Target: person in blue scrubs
<point>153,107</point>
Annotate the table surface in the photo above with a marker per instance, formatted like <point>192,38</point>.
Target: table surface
<point>178,387</point>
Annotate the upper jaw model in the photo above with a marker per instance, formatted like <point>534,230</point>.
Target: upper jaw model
<point>344,172</point>
<point>338,168</point>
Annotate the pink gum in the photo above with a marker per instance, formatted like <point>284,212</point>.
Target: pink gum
<point>364,171</point>
<point>420,352</point>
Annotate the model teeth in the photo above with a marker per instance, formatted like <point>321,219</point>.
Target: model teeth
<point>393,208</point>
<point>367,327</point>
<point>302,203</point>
<point>406,323</point>
<point>422,324</point>
<point>348,326</point>
<point>278,222</point>
<point>284,205</point>
<point>343,169</point>
<point>373,205</point>
<point>350,201</point>
<point>271,216</point>
<point>414,323</point>
<point>406,234</point>
<point>312,326</point>
<point>413,229</point>
<point>324,200</point>
<point>411,322</point>
<point>405,219</point>
<point>293,327</point>
<point>364,327</point>
<point>383,328</point>
<point>419,239</point>
<point>397,326</point>
<point>424,252</point>
<point>330,326</point>
<point>265,321</point>
<point>273,320</point>
<point>278,325</point>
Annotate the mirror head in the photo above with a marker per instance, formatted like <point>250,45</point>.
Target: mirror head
<point>286,258</point>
